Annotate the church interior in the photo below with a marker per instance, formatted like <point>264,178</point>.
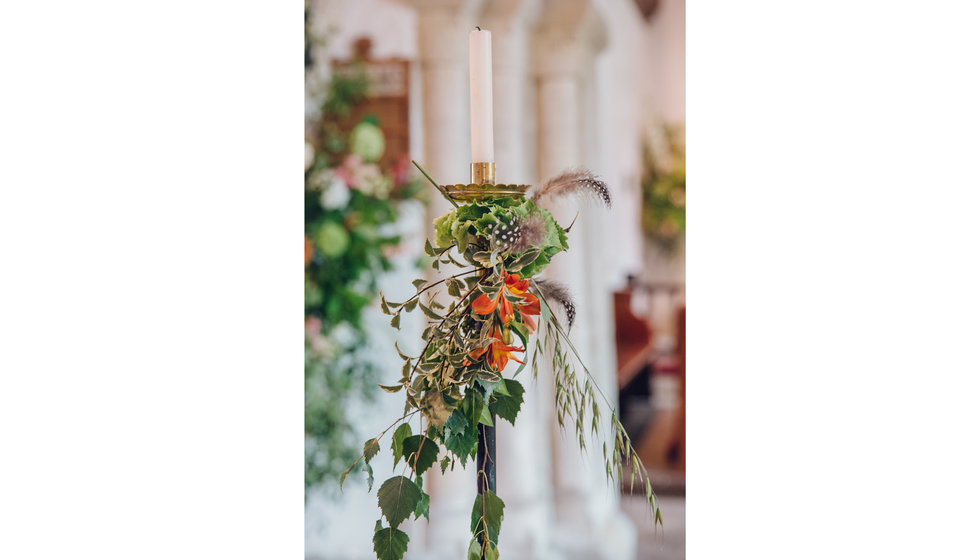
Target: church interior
<point>598,84</point>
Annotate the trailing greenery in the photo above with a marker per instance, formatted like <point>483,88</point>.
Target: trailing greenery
<point>493,313</point>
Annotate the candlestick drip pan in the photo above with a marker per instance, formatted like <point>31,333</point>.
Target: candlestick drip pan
<point>474,192</point>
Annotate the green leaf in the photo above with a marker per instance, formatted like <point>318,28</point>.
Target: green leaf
<point>457,423</point>
<point>429,250</point>
<point>371,449</point>
<point>444,464</point>
<point>525,259</point>
<point>343,477</point>
<point>401,354</point>
<point>401,432</point>
<point>391,388</point>
<point>488,376</point>
<point>390,544</point>
<point>485,418</point>
<point>423,508</point>
<point>545,310</point>
<point>410,305</point>
<point>370,475</point>
<point>426,450</point>
<point>453,287</point>
<point>462,445</point>
<point>396,321</point>
<point>397,498</point>
<point>384,305</point>
<point>488,509</point>
<point>491,553</point>
<point>475,407</point>
<point>475,552</point>
<point>501,389</point>
<point>430,313</point>
<point>505,406</point>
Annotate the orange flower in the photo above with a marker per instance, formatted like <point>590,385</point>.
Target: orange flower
<point>527,310</point>
<point>515,284</point>
<point>500,353</point>
<point>484,305</point>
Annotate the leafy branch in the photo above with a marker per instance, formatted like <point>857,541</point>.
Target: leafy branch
<point>569,392</point>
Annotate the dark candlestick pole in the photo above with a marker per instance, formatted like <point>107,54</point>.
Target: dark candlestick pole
<point>486,460</point>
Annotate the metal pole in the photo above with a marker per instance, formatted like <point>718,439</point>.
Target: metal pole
<point>486,460</point>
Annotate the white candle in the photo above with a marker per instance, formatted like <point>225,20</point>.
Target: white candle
<point>481,97</point>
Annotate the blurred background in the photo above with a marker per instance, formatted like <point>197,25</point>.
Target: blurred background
<point>593,83</point>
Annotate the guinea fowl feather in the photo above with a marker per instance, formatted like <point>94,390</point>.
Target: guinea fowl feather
<point>574,182</point>
<point>556,292</point>
<point>527,234</point>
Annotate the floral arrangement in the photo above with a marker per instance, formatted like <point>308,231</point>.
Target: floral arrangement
<point>350,204</point>
<point>663,187</point>
<point>496,312</point>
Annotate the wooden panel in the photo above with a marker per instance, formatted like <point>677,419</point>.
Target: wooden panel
<point>388,99</point>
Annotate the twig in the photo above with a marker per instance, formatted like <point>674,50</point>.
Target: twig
<point>434,284</point>
<point>379,436</point>
<point>446,318</point>
<point>436,185</point>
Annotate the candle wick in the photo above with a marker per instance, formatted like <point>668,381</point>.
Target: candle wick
<point>478,28</point>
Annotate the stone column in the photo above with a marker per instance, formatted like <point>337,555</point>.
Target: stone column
<point>590,524</point>
<point>443,27</point>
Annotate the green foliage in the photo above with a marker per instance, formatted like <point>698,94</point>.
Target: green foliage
<point>663,185</point>
<point>456,382</point>
<point>473,225</point>
<point>422,509</point>
<point>329,385</point>
<point>507,405</point>
<point>398,439</point>
<point>475,551</point>
<point>390,543</point>
<point>347,205</point>
<point>398,497</point>
<point>420,453</point>
<point>371,449</point>
<point>462,444</point>
<point>487,516</point>
<point>577,399</point>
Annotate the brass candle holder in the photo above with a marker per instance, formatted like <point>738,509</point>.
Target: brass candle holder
<point>483,185</point>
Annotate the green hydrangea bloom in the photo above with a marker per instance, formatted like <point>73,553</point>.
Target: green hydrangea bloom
<point>332,239</point>
<point>367,141</point>
<point>474,224</point>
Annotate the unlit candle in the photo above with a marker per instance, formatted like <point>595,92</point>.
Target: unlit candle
<point>481,97</point>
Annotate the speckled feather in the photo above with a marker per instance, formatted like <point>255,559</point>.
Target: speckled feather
<point>528,234</point>
<point>556,292</point>
<point>575,182</point>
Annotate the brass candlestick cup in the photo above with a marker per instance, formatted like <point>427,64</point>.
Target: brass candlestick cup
<point>483,185</point>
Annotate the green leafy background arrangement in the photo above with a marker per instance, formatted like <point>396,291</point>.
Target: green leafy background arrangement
<point>350,206</point>
<point>663,186</point>
<point>493,313</point>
